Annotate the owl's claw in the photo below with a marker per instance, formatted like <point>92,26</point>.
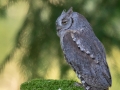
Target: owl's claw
<point>78,84</point>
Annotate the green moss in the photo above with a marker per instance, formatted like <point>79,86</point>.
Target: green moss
<point>40,84</point>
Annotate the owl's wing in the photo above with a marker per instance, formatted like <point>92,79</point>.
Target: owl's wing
<point>89,45</point>
<point>87,56</point>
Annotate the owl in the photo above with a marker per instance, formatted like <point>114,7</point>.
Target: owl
<point>83,51</point>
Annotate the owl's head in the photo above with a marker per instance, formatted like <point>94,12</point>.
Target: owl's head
<point>70,21</point>
<point>64,21</point>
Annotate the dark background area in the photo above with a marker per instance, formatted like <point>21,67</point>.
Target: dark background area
<point>30,45</point>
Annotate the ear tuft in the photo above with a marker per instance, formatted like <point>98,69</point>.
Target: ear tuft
<point>64,11</point>
<point>70,11</point>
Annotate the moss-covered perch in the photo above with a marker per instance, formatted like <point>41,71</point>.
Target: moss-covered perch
<point>50,85</point>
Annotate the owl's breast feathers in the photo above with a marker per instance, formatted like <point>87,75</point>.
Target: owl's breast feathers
<point>86,56</point>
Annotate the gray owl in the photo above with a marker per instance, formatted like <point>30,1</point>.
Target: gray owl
<point>83,51</point>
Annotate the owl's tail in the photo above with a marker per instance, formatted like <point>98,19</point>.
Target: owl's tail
<point>88,87</point>
<point>94,88</point>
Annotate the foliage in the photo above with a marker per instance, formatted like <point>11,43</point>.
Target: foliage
<point>38,84</point>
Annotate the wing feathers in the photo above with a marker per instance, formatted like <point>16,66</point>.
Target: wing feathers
<point>83,44</point>
<point>87,59</point>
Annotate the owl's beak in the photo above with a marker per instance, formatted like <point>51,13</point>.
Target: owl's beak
<point>58,28</point>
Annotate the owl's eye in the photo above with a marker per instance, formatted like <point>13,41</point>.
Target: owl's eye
<point>64,22</point>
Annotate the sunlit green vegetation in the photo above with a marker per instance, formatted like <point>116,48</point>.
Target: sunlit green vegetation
<point>30,48</point>
<point>39,84</point>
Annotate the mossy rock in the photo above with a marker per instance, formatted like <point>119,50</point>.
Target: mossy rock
<point>39,84</point>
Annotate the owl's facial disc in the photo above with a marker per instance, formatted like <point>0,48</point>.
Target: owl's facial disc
<point>64,21</point>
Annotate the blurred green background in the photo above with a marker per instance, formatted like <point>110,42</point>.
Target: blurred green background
<point>30,48</point>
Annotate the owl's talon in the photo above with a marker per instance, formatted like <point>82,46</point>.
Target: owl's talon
<point>78,84</point>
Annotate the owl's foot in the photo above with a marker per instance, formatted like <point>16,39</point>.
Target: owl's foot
<point>78,84</point>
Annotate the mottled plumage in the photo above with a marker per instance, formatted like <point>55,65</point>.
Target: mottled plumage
<point>83,51</point>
